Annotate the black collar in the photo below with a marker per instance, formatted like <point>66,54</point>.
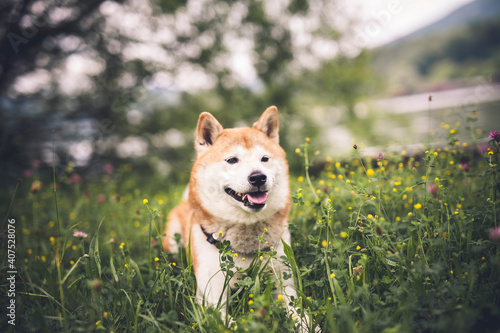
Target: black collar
<point>210,238</point>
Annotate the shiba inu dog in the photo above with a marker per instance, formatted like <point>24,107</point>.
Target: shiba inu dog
<point>238,191</point>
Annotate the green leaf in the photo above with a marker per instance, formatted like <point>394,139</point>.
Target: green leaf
<point>94,266</point>
<point>386,279</point>
<point>50,280</point>
<point>113,269</point>
<point>338,291</point>
<point>291,258</point>
<point>138,271</point>
<point>256,286</point>
<point>319,283</point>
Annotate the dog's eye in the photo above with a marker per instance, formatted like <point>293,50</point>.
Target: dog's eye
<point>232,160</point>
<point>265,159</point>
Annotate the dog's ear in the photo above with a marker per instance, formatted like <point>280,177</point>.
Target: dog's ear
<point>268,123</point>
<point>207,131</point>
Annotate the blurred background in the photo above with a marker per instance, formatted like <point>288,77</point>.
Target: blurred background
<point>120,84</point>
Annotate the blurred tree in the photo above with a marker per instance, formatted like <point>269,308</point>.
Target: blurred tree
<point>102,71</point>
<point>343,81</point>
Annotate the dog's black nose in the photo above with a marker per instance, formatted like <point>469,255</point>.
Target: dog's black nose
<point>257,179</point>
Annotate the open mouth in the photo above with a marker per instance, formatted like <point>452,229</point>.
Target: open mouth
<point>254,200</point>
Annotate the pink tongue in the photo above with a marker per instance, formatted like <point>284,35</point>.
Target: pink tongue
<point>256,197</point>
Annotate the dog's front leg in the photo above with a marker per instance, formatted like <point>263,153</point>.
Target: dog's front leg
<point>210,280</point>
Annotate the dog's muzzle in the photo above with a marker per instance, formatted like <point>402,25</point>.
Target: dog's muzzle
<point>255,200</point>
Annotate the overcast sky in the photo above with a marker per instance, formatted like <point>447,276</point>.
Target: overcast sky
<point>410,15</point>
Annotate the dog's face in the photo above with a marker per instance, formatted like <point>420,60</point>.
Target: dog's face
<point>240,173</point>
<point>248,175</point>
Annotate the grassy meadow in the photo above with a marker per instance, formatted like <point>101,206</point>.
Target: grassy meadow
<point>400,242</point>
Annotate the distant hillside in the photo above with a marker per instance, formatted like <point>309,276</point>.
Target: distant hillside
<point>479,10</point>
<point>450,53</point>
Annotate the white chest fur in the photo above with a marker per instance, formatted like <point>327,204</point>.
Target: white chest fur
<point>249,238</point>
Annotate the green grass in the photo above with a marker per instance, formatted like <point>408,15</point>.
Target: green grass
<point>396,244</point>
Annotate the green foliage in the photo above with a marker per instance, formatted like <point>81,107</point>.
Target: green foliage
<point>398,243</point>
<point>184,66</point>
<point>342,82</point>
